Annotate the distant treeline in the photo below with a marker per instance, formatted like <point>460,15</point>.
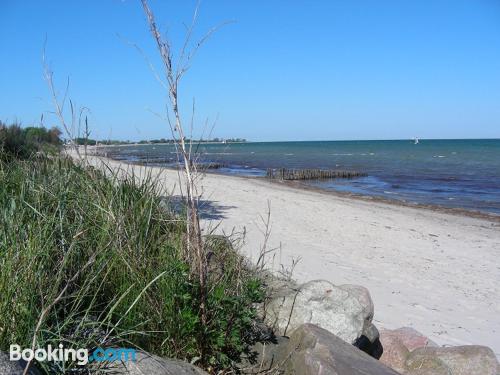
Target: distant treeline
<point>92,142</point>
<point>19,142</point>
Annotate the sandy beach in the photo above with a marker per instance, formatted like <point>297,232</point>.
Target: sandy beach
<point>435,271</point>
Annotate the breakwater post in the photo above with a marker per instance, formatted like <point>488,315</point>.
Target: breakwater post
<point>310,174</point>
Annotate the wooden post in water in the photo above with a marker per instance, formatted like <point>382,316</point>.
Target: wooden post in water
<point>310,174</point>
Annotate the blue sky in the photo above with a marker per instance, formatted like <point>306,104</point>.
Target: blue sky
<point>284,70</point>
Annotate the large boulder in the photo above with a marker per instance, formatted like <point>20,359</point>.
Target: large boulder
<point>147,364</point>
<point>312,350</point>
<point>8,367</point>
<point>345,310</point>
<point>409,337</point>
<point>411,353</point>
<point>398,343</point>
<point>431,366</point>
<point>457,360</point>
<point>395,352</point>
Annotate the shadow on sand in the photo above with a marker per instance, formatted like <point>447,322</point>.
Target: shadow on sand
<point>209,210</point>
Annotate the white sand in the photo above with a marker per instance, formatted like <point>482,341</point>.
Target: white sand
<point>434,271</point>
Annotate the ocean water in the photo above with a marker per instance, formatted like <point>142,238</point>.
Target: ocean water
<point>451,173</point>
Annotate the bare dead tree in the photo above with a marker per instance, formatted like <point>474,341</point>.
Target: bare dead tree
<point>173,73</point>
<point>59,104</point>
<point>68,126</point>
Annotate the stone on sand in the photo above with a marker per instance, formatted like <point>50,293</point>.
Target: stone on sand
<point>312,350</point>
<point>345,310</point>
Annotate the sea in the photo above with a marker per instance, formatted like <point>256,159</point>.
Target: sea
<point>449,173</point>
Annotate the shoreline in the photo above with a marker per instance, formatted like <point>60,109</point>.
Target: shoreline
<point>364,197</point>
<point>370,198</point>
<point>432,270</point>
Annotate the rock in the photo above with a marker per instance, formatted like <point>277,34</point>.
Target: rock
<point>457,360</point>
<point>408,336</point>
<point>430,366</point>
<point>398,343</point>
<point>363,296</point>
<point>314,351</point>
<point>147,364</point>
<point>8,367</point>
<point>395,352</point>
<point>265,356</point>
<point>369,342</point>
<point>411,353</point>
<point>346,310</point>
<point>371,333</point>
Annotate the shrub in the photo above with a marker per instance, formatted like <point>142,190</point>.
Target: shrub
<point>19,142</point>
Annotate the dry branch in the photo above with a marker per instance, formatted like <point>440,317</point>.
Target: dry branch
<point>195,253</point>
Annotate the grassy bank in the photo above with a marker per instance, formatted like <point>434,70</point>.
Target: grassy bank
<point>88,260</point>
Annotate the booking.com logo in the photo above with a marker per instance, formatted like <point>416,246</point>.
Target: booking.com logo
<point>80,356</point>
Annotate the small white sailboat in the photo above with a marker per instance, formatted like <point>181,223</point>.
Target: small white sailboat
<point>416,140</point>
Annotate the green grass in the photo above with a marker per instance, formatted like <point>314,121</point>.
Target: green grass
<point>118,251</point>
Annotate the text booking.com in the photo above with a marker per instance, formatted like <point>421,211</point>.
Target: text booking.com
<point>80,356</point>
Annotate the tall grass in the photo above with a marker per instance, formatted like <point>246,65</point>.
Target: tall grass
<point>103,257</point>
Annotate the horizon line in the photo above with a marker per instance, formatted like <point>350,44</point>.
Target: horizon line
<point>313,140</point>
